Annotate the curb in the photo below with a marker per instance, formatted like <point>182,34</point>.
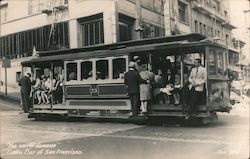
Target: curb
<point>9,98</point>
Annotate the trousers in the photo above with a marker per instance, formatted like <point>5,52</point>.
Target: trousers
<point>135,103</point>
<point>25,101</point>
<point>194,100</point>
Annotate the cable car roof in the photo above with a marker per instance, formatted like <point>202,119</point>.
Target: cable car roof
<point>188,42</point>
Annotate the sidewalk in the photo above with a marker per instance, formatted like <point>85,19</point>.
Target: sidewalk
<point>13,94</point>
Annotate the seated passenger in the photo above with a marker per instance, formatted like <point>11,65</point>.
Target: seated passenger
<point>45,90</point>
<point>177,89</point>
<point>72,76</point>
<point>37,90</point>
<point>161,98</point>
<point>58,91</point>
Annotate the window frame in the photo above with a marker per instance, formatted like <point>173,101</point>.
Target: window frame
<point>94,61</point>
<point>109,70</point>
<point>66,71</point>
<point>212,52</point>
<point>126,69</point>
<point>86,81</point>
<point>85,24</point>
<point>183,8</point>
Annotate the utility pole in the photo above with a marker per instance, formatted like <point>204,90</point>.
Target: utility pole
<point>6,64</point>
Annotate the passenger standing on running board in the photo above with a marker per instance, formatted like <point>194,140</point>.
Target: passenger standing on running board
<point>197,80</point>
<point>132,79</point>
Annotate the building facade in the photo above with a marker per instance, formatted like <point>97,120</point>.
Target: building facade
<point>44,25</point>
<point>29,26</point>
<point>241,19</point>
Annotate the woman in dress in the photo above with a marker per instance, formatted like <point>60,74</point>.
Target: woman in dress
<point>145,89</point>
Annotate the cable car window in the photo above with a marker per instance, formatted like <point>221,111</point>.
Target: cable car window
<point>119,68</point>
<point>86,70</point>
<point>102,72</point>
<point>71,71</point>
<point>220,64</point>
<point>212,70</point>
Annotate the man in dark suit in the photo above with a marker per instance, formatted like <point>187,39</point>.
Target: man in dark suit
<point>25,84</point>
<point>133,80</point>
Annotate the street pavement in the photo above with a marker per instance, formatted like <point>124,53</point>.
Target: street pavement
<point>97,139</point>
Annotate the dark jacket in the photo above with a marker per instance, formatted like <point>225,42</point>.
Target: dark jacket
<point>133,80</point>
<point>25,84</point>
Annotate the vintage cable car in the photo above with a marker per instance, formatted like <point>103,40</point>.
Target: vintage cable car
<point>93,77</point>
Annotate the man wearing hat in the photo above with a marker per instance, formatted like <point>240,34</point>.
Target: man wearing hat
<point>197,80</point>
<point>137,61</point>
<point>132,79</point>
<point>25,84</point>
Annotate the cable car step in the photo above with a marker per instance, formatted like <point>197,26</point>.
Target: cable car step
<point>176,114</point>
<point>49,112</point>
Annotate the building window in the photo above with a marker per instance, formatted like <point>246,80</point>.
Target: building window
<point>227,39</point>
<point>92,32</point>
<point>183,12</point>
<point>151,30</point>
<point>125,27</point>
<point>21,44</point>
<point>3,15</point>
<point>204,29</point>
<point>196,28</point>
<point>212,32</point>
<point>201,28</point>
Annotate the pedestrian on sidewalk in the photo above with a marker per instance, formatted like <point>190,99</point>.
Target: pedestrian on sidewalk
<point>25,83</point>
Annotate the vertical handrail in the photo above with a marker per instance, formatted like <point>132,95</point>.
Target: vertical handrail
<point>32,77</point>
<point>51,82</point>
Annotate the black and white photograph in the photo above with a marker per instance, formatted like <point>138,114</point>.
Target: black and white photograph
<point>124,79</point>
